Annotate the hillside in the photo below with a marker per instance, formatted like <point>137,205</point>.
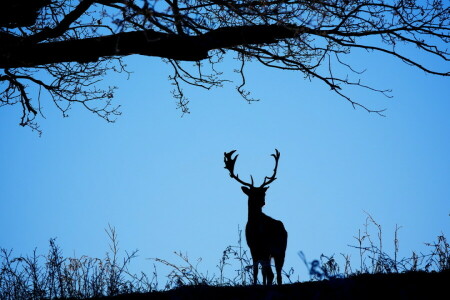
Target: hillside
<point>411,285</point>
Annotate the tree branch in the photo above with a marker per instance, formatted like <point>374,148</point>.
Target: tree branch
<point>146,42</point>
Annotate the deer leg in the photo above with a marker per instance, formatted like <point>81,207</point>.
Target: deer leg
<point>269,275</point>
<point>255,272</point>
<point>279,261</point>
<point>264,275</point>
<point>267,272</point>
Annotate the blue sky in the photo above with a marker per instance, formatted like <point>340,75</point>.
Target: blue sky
<point>159,177</point>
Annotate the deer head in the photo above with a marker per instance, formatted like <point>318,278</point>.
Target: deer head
<point>256,194</point>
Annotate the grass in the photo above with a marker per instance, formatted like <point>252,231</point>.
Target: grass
<point>373,259</point>
<point>53,276</point>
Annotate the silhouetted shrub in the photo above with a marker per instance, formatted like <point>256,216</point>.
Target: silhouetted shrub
<point>52,276</point>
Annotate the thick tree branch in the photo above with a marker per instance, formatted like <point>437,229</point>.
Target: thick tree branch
<point>148,42</point>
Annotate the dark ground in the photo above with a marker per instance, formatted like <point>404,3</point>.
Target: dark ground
<point>411,285</point>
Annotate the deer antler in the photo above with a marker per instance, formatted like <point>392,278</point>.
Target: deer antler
<point>272,178</point>
<point>229,165</point>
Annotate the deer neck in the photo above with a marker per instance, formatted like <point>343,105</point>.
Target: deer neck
<point>254,213</point>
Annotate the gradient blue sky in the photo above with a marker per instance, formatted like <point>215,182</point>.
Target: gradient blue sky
<point>159,178</point>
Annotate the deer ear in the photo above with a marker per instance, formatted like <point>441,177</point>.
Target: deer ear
<point>245,189</point>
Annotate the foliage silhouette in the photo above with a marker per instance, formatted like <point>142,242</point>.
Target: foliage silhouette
<point>53,276</point>
<point>63,48</point>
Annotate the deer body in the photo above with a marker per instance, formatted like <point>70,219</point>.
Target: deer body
<point>266,237</point>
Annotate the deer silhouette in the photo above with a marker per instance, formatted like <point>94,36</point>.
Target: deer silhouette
<point>266,237</point>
